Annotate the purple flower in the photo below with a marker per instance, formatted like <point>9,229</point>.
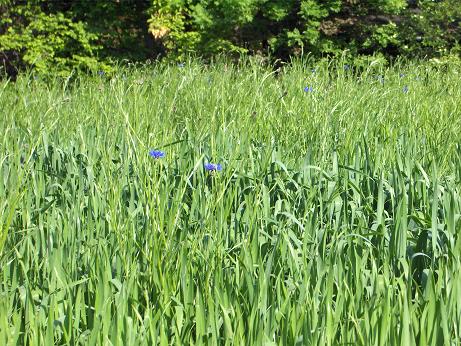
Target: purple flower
<point>156,154</point>
<point>308,89</point>
<point>213,167</point>
<point>101,73</point>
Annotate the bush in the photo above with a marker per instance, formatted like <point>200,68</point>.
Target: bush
<point>433,29</point>
<point>67,35</point>
<point>284,28</point>
<point>46,42</point>
<point>279,27</point>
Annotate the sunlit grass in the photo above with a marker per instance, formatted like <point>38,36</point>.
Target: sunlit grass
<point>335,217</point>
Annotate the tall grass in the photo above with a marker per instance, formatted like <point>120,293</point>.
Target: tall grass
<point>335,219</point>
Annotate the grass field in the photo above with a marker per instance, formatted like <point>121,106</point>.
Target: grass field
<point>335,218</point>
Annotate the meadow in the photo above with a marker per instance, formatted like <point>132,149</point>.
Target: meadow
<point>334,217</point>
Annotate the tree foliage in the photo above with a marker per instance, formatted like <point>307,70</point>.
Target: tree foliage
<point>289,27</point>
<point>31,37</point>
<point>70,35</point>
<point>76,34</point>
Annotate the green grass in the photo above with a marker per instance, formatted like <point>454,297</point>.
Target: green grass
<point>335,219</point>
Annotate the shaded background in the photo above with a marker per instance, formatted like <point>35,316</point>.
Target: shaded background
<point>61,36</point>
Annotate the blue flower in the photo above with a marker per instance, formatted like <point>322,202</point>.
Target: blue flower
<point>308,89</point>
<point>181,65</point>
<point>346,67</point>
<point>212,167</point>
<point>156,154</point>
<point>101,73</point>
<point>313,70</point>
<point>405,89</point>
<point>402,75</point>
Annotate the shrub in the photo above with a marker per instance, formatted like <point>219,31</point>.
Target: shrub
<point>285,28</point>
<point>78,35</point>
<point>46,42</point>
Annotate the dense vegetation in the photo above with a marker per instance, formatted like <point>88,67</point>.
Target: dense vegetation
<point>335,217</point>
<point>67,35</point>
